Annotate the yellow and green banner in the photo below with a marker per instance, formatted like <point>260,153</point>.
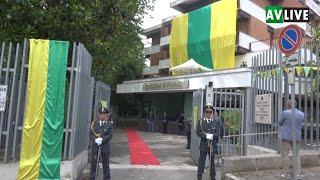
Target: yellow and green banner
<point>44,113</point>
<point>207,35</point>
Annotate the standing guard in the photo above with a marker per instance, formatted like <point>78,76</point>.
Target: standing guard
<point>100,135</point>
<point>208,129</point>
<point>188,129</point>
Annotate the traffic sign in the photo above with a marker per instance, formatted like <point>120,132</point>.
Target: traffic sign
<point>289,39</point>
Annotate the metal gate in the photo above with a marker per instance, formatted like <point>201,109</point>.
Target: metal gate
<point>78,105</point>
<point>267,80</point>
<point>272,74</point>
<point>229,104</point>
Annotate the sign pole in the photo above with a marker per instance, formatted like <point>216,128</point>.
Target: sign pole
<point>289,41</point>
<point>293,124</point>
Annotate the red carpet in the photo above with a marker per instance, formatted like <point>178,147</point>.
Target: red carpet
<point>140,153</point>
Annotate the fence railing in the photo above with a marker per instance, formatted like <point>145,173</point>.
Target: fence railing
<point>249,144</point>
<point>78,100</point>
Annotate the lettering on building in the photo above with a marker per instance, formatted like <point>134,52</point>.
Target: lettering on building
<point>162,85</point>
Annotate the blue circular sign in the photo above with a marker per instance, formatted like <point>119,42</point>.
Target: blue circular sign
<point>289,39</point>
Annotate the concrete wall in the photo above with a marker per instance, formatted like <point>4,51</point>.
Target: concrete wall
<point>264,162</point>
<point>68,170</point>
<point>258,150</point>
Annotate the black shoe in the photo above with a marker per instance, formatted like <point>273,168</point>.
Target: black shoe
<point>199,177</point>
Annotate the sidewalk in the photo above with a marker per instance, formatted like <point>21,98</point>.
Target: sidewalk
<point>312,173</point>
<point>175,161</point>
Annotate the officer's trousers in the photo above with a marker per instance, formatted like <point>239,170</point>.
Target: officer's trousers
<point>105,164</point>
<point>188,139</point>
<point>201,165</point>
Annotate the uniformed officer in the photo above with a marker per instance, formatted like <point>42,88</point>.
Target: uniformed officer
<point>101,134</point>
<point>188,129</point>
<point>208,129</point>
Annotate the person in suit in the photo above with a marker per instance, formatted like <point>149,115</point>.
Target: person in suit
<point>287,137</point>
<point>151,122</point>
<point>165,123</point>
<point>100,135</point>
<point>209,128</point>
<point>180,120</point>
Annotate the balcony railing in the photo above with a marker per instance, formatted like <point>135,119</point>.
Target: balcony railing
<point>150,70</point>
<point>152,50</point>
<point>165,40</point>
<point>164,64</point>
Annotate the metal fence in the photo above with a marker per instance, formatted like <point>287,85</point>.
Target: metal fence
<point>102,92</point>
<point>261,143</point>
<point>229,104</point>
<point>267,79</point>
<point>78,105</point>
<point>272,74</point>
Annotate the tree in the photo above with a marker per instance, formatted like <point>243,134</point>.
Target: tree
<point>108,28</point>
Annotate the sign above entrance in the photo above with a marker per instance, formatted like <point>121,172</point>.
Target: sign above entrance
<point>169,84</point>
<point>263,108</point>
<point>289,39</point>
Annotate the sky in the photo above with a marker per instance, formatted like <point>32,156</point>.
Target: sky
<point>161,10</point>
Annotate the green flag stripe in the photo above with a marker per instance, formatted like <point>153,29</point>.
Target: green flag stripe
<point>54,111</point>
<point>199,36</point>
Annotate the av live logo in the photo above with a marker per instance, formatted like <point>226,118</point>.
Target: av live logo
<point>279,14</point>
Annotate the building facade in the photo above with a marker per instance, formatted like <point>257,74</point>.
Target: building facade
<point>253,34</point>
<point>160,92</point>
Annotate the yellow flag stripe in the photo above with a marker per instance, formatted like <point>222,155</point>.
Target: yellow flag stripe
<point>34,112</point>
<point>223,33</point>
<point>178,40</point>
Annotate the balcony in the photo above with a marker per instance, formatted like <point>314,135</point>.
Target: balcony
<point>244,42</point>
<point>164,64</point>
<point>165,40</point>
<point>152,30</point>
<point>151,70</point>
<point>189,5</point>
<point>152,50</point>
<point>247,43</point>
<point>313,6</point>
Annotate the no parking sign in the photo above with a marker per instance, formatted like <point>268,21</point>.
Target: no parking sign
<point>289,39</point>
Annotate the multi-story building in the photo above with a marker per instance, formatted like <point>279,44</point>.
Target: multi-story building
<point>253,34</point>
<point>160,92</point>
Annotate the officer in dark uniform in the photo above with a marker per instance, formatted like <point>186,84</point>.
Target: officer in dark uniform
<point>209,128</point>
<point>101,134</point>
<point>188,129</point>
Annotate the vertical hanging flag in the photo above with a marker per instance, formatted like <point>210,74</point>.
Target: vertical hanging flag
<point>207,35</point>
<point>44,112</point>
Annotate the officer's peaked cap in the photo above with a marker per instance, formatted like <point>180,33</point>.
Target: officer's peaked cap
<point>208,107</point>
<point>103,110</point>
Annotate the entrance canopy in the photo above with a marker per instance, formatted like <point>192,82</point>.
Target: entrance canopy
<point>189,67</point>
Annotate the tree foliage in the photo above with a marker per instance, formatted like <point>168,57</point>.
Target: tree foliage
<point>109,29</point>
